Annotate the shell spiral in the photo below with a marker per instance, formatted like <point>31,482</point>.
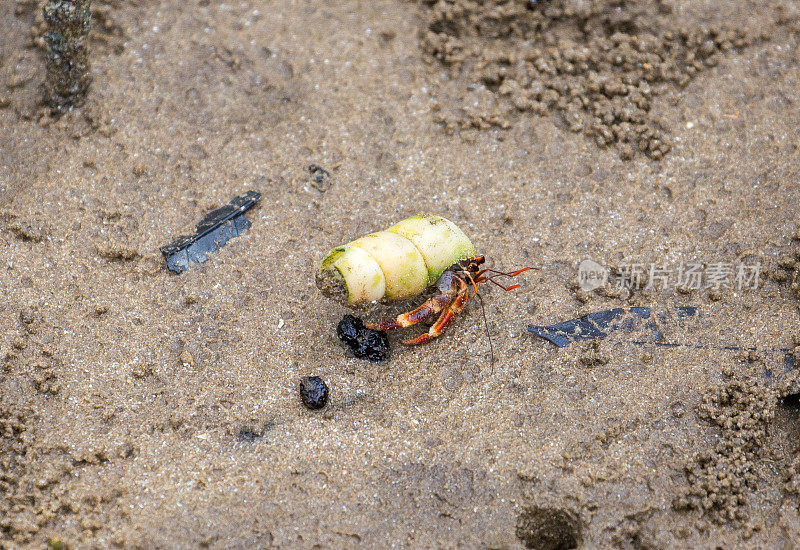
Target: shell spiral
<point>394,264</point>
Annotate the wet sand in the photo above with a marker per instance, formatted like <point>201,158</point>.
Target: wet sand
<point>139,408</point>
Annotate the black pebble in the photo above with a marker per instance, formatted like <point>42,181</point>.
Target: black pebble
<point>363,342</point>
<point>314,392</point>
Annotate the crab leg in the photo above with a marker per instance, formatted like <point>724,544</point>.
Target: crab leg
<point>445,318</point>
<point>431,306</point>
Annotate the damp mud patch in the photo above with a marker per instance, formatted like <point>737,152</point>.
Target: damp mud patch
<point>213,232</point>
<point>597,65</point>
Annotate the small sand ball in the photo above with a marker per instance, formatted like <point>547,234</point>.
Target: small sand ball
<point>313,392</point>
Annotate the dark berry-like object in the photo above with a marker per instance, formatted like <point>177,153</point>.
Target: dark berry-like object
<point>348,330</point>
<point>363,342</point>
<point>377,345</point>
<point>314,392</point>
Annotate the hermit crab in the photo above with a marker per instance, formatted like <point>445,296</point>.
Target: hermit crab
<point>402,262</point>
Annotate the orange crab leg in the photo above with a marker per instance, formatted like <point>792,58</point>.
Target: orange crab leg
<point>434,305</point>
<point>506,288</point>
<point>445,318</point>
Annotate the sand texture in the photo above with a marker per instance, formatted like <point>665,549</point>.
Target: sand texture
<point>140,408</point>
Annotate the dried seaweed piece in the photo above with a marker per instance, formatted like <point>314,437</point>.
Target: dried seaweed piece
<point>213,231</point>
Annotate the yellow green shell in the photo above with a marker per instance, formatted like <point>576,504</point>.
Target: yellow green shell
<point>394,264</point>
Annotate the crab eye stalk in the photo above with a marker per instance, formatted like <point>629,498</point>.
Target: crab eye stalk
<point>394,264</point>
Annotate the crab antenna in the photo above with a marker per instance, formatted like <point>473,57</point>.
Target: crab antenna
<point>488,334</point>
<point>513,274</point>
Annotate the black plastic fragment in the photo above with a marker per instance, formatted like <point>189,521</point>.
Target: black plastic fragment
<point>362,341</point>
<point>213,231</point>
<point>602,323</point>
<point>589,327</point>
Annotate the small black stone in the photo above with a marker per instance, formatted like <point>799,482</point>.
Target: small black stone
<point>363,342</point>
<point>314,392</point>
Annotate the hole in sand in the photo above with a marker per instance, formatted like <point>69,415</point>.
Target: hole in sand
<point>548,529</point>
<point>792,402</point>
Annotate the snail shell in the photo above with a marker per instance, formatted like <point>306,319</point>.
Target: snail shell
<point>394,264</point>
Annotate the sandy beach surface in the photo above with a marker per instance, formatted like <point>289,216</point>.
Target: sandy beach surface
<point>140,408</point>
